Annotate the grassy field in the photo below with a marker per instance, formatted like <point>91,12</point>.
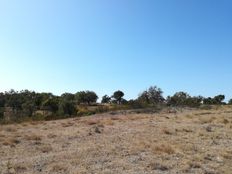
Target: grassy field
<point>187,141</point>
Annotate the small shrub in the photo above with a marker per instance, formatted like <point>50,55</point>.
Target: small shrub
<point>107,122</point>
<point>59,168</point>
<point>11,142</point>
<point>38,117</point>
<point>158,166</point>
<point>68,124</point>
<point>163,148</point>
<point>45,148</point>
<point>51,136</point>
<point>10,129</point>
<point>33,137</point>
<point>167,131</point>
<point>225,121</point>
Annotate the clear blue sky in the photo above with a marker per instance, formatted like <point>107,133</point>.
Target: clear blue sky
<point>106,45</point>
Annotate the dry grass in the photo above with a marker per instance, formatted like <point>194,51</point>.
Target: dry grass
<point>108,122</point>
<point>45,148</point>
<point>33,137</point>
<point>37,122</point>
<point>206,119</point>
<point>115,118</point>
<point>2,135</point>
<point>10,142</point>
<point>159,166</point>
<point>59,168</point>
<point>10,128</point>
<point>68,124</point>
<point>191,141</point>
<point>167,131</point>
<point>163,148</point>
<point>91,122</point>
<point>51,136</point>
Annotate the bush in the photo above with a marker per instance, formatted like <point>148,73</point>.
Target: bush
<point>217,100</point>
<point>101,109</point>
<point>135,104</point>
<point>1,113</point>
<point>184,99</point>
<point>230,102</point>
<point>67,108</point>
<point>38,117</point>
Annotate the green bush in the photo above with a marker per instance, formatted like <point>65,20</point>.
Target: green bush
<point>1,113</point>
<point>38,117</point>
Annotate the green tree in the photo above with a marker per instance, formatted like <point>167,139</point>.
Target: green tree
<point>184,99</point>
<point>217,100</point>
<point>87,97</point>
<point>144,97</point>
<point>40,98</point>
<point>105,99</point>
<point>28,108</point>
<point>208,101</point>
<point>153,95</point>
<point>13,100</point>
<point>91,97</point>
<point>230,102</point>
<point>80,97</point>
<point>2,105</point>
<point>1,112</point>
<point>178,99</point>
<point>67,108</point>
<point>51,104</point>
<point>194,101</point>
<point>118,96</point>
<point>68,97</point>
<point>2,100</point>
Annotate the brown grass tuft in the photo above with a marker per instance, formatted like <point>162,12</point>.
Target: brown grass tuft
<point>158,166</point>
<point>45,148</point>
<point>33,137</point>
<point>167,131</point>
<point>10,129</point>
<point>68,124</point>
<point>163,148</point>
<point>20,168</point>
<point>115,118</point>
<point>91,122</point>
<point>2,135</point>
<point>107,122</point>
<point>51,136</point>
<point>225,121</point>
<point>11,142</point>
<point>59,168</point>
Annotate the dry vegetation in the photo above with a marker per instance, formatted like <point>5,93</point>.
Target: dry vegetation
<point>190,141</point>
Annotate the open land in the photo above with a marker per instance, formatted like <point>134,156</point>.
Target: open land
<point>184,141</point>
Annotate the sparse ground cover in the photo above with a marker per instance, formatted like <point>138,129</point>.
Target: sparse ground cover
<point>187,141</point>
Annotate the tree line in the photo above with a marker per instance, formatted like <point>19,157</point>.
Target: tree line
<point>26,103</point>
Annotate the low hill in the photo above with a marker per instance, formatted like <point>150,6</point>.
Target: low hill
<point>187,141</point>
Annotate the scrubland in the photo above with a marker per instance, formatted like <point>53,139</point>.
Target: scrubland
<point>130,142</point>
